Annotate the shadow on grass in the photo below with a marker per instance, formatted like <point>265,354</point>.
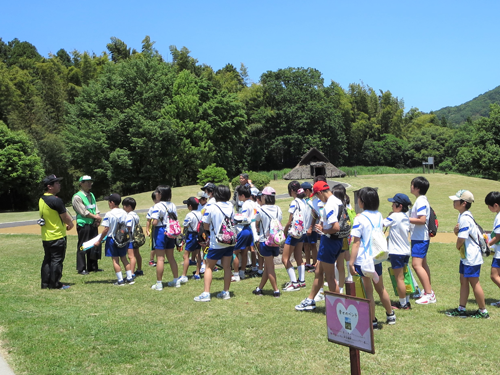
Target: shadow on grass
<point>111,281</point>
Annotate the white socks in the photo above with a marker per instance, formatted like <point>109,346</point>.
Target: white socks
<point>119,276</point>
<point>302,272</point>
<point>291,274</point>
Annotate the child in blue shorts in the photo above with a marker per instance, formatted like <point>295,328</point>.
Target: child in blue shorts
<point>110,223</point>
<point>493,202</point>
<point>470,254</point>
<point>133,220</point>
<point>191,237</point>
<point>245,234</point>
<point>310,249</point>
<point>399,246</point>
<point>361,233</point>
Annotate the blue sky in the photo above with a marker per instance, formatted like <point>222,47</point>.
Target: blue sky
<point>431,54</point>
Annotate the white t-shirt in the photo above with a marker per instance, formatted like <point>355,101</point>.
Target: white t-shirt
<point>112,219</point>
<point>214,216</point>
<point>467,230</point>
<point>150,212</point>
<point>132,221</point>
<point>308,217</point>
<point>399,228</point>
<point>362,228</point>
<point>191,220</point>
<point>420,208</point>
<point>160,212</point>
<point>264,220</point>
<point>297,204</point>
<point>496,230</point>
<point>330,212</point>
<point>246,214</point>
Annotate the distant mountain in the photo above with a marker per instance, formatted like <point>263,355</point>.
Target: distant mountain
<point>477,107</point>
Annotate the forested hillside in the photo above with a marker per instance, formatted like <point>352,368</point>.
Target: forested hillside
<point>473,109</point>
<point>132,120</point>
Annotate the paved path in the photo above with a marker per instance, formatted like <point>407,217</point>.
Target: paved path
<point>4,367</point>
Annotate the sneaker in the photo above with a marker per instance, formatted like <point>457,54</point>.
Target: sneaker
<point>257,292</point>
<point>223,295</point>
<point>391,319</point>
<point>397,306</point>
<point>308,266</point>
<point>64,287</point>
<point>152,263</point>
<point>319,297</point>
<point>259,274</point>
<point>119,283</point>
<point>130,281</point>
<point>496,304</point>
<point>376,325</point>
<point>276,294</point>
<point>480,315</point>
<point>139,273</point>
<point>157,286</point>
<point>302,284</point>
<point>235,279</point>
<point>174,283</point>
<point>242,275</point>
<point>203,297</point>
<point>183,279</point>
<point>456,313</point>
<point>306,305</point>
<point>196,277</point>
<point>202,268</point>
<point>426,299</point>
<point>192,263</point>
<point>291,287</point>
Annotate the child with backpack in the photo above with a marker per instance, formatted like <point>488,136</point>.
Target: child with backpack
<point>295,231</point>
<point>245,234</point>
<point>467,232</point>
<point>310,249</point>
<point>254,271</point>
<point>164,220</point>
<point>419,220</point>
<point>492,200</point>
<point>149,232</point>
<point>217,219</point>
<point>134,255</point>
<point>362,232</point>
<point>340,192</point>
<point>191,221</point>
<point>268,220</point>
<point>113,222</point>
<point>399,246</point>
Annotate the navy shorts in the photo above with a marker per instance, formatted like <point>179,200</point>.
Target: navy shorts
<point>398,261</point>
<point>192,242</point>
<point>268,251</point>
<point>217,254</point>
<point>294,241</point>
<point>329,249</point>
<point>244,239</point>
<point>378,269</point>
<point>419,248</point>
<point>162,242</point>
<point>495,263</point>
<point>112,250</point>
<point>469,271</point>
<point>313,238</point>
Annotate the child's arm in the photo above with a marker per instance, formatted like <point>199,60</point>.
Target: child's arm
<point>103,234</point>
<point>354,254</point>
<point>494,240</point>
<point>148,225</point>
<point>460,243</point>
<point>420,220</point>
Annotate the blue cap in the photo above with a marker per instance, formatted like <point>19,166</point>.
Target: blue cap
<point>401,199</point>
<point>306,185</point>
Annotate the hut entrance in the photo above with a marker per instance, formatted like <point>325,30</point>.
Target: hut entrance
<point>318,169</point>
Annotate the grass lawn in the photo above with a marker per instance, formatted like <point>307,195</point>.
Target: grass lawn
<point>97,328</point>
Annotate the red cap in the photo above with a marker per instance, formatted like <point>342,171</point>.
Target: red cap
<point>319,186</point>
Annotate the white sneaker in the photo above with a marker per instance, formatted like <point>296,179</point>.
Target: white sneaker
<point>306,305</point>
<point>223,295</point>
<point>291,287</point>
<point>242,275</point>
<point>202,268</point>
<point>235,278</point>
<point>203,297</point>
<point>426,299</point>
<point>175,283</point>
<point>157,286</point>
<point>319,297</point>
<point>183,279</point>
<point>496,304</point>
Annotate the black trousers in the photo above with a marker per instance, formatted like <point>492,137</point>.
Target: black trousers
<point>52,265</point>
<point>87,260</point>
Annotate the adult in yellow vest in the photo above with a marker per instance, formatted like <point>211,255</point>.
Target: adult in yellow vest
<point>54,221</point>
<point>87,222</point>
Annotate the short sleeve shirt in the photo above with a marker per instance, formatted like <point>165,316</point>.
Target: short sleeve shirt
<point>51,207</point>
<point>420,208</point>
<point>264,216</point>
<point>160,211</point>
<point>467,230</point>
<point>112,219</point>
<point>132,221</point>
<point>191,221</point>
<point>330,212</point>
<point>399,228</point>
<point>214,217</point>
<point>496,230</point>
<point>362,229</point>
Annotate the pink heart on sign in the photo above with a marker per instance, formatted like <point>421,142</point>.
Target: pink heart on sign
<point>363,309</point>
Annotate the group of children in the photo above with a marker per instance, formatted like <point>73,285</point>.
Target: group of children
<point>320,209</point>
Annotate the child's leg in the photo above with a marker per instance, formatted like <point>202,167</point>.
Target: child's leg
<point>314,252</point>
<point>329,270</point>
<point>384,296</point>
<point>152,256</point>
<point>464,290</point>
<point>226,265</point>
<point>116,264</point>
<point>244,261</point>
<point>261,262</point>
<point>341,269</point>
<point>367,284</point>
<point>478,291</point>
<point>400,282</point>
<point>210,264</point>
<point>160,262</point>
<point>264,277</point>
<point>270,273</point>
<point>422,274</point>
<point>236,263</point>
<point>301,268</point>
<point>427,269</point>
<point>185,265</point>
<point>131,256</point>
<point>138,258</point>
<point>495,275</point>
<point>198,261</point>
<point>307,252</point>
<point>318,280</point>
<point>285,259</point>
<point>173,264</point>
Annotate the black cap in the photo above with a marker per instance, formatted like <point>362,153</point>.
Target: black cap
<point>115,198</point>
<point>191,201</point>
<point>49,180</point>
<point>208,186</point>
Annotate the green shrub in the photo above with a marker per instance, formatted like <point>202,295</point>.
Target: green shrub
<point>214,174</point>
<point>259,180</point>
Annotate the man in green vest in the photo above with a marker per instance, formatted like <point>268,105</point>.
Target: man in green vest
<point>87,222</point>
<point>54,220</point>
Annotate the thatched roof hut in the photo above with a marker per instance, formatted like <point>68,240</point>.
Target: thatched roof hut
<point>313,164</point>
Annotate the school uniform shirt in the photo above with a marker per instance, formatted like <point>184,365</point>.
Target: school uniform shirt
<point>264,216</point>
<point>467,229</point>
<point>150,212</point>
<point>362,228</point>
<point>132,220</point>
<point>112,219</point>
<point>297,204</point>
<point>191,221</point>
<point>246,214</point>
<point>308,218</point>
<point>420,208</point>
<point>399,228</point>
<point>317,205</point>
<point>201,207</point>
<point>330,212</point>
<point>496,230</point>
<point>214,217</point>
<point>160,212</point>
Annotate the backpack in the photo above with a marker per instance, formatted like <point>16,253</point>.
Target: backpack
<point>344,223</point>
<point>226,234</point>
<point>121,236</point>
<point>173,229</point>
<point>481,240</point>
<point>276,237</point>
<point>297,229</point>
<point>139,237</point>
<point>433,223</point>
<point>202,235</point>
<point>377,244</point>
